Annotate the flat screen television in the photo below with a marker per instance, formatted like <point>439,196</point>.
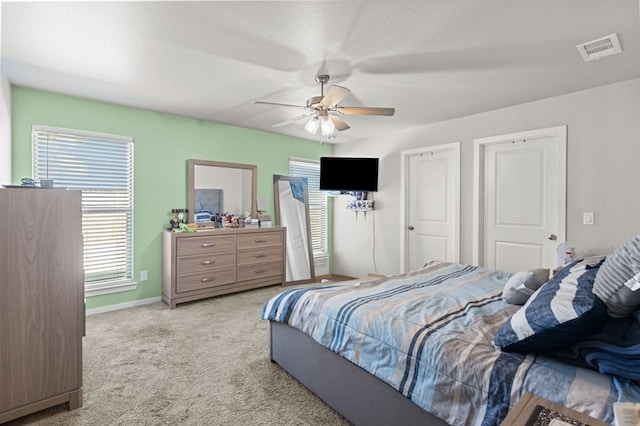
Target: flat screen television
<point>348,174</point>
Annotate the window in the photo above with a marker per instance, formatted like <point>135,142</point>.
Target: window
<point>101,166</point>
<point>317,206</point>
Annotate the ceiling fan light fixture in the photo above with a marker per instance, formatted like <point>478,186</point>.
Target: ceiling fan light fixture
<point>327,126</point>
<point>312,125</point>
<point>324,111</point>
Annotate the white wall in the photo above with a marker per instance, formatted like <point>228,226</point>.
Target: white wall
<point>5,121</point>
<point>603,174</point>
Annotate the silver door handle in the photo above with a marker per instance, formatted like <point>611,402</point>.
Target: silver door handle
<point>553,237</point>
<point>411,228</point>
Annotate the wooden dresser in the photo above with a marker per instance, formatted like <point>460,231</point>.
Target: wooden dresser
<point>41,300</point>
<point>214,262</point>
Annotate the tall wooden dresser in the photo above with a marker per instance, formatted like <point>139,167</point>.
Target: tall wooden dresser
<point>41,300</point>
<point>214,262</point>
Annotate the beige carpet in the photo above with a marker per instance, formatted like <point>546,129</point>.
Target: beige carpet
<point>204,363</point>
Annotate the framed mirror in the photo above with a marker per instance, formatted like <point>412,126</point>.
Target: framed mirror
<point>216,187</point>
<point>292,211</point>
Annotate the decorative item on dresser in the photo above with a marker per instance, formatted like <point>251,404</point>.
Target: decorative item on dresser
<point>214,262</point>
<point>41,300</point>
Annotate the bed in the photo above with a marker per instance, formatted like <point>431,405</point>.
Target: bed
<point>437,346</point>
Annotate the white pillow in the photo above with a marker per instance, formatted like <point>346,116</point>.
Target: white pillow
<point>523,284</point>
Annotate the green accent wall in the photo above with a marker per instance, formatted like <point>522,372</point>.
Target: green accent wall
<point>162,145</point>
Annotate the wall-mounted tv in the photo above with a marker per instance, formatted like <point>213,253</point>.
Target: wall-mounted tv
<point>348,174</point>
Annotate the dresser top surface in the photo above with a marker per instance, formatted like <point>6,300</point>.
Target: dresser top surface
<point>217,231</point>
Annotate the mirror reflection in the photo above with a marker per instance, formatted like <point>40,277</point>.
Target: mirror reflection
<point>292,211</point>
<point>216,188</point>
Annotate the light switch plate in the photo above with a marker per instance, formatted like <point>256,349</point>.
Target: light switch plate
<point>588,218</point>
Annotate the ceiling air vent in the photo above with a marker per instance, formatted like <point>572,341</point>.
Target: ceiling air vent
<point>596,49</point>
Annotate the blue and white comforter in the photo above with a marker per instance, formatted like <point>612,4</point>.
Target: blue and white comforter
<point>428,334</point>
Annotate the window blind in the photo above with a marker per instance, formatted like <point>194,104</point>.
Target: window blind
<point>317,202</point>
<point>101,166</point>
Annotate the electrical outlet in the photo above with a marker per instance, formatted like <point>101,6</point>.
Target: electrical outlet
<point>144,275</point>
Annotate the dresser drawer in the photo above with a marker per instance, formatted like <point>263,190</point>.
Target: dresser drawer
<point>204,280</point>
<point>206,244</point>
<point>261,255</point>
<point>251,241</point>
<point>199,264</point>
<point>250,272</point>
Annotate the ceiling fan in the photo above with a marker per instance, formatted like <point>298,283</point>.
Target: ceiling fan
<point>323,111</point>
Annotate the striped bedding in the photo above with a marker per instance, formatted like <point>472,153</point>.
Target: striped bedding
<point>428,334</point>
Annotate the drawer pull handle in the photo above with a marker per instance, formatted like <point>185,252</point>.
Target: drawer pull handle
<point>260,241</point>
<point>207,262</point>
<point>258,256</point>
<point>206,280</point>
<point>208,245</point>
<point>260,271</point>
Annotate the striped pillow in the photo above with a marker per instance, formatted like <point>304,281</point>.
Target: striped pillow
<point>560,313</point>
<point>615,281</point>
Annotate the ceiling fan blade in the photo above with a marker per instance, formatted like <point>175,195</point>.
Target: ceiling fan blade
<point>366,111</point>
<point>292,120</point>
<point>278,104</point>
<point>339,122</point>
<point>334,95</point>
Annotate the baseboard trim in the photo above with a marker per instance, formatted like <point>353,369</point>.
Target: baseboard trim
<point>334,277</point>
<point>125,305</point>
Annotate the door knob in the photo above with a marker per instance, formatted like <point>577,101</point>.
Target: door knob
<point>553,237</point>
<point>411,228</point>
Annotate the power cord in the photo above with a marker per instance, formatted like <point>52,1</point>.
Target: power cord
<point>373,250</point>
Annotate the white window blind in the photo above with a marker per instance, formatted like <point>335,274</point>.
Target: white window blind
<point>101,166</point>
<point>317,201</point>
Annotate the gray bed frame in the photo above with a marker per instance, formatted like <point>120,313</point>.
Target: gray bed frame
<point>360,397</point>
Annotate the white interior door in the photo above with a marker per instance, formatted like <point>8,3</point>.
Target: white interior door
<point>432,198</point>
<point>523,203</point>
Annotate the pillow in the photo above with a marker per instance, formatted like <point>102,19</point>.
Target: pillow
<point>558,314</point>
<point>523,284</point>
<point>615,281</point>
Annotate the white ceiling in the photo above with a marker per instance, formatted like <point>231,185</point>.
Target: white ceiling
<point>430,59</point>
